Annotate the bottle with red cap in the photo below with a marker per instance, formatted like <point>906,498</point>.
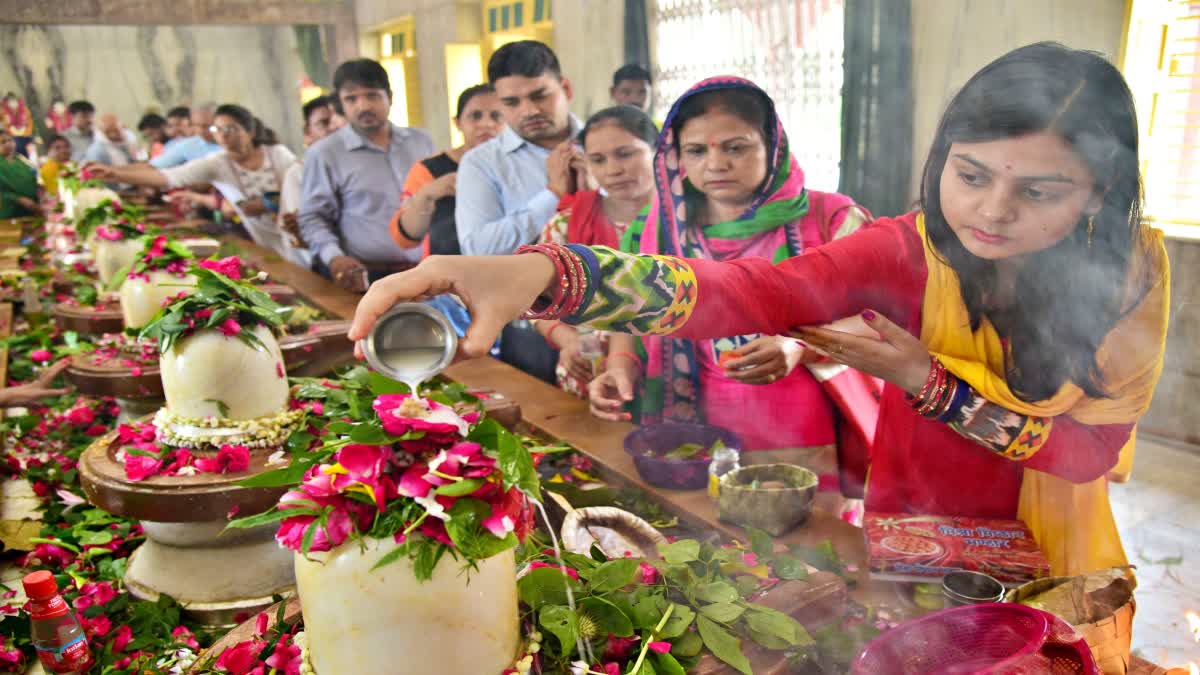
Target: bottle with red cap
<point>57,635</point>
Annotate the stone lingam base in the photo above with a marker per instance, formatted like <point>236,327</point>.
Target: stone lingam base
<point>132,375</point>
<point>122,367</point>
<point>215,574</point>
<point>104,317</point>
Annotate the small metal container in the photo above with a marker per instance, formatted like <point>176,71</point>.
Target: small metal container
<point>411,343</point>
<point>970,588</point>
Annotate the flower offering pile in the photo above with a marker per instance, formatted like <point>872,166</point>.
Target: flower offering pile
<point>221,301</point>
<point>161,254</point>
<point>112,220</point>
<point>427,472</point>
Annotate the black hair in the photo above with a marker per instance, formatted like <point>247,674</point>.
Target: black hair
<point>631,71</point>
<point>179,112</point>
<point>1070,295</point>
<point>77,107</point>
<point>525,58</point>
<point>151,121</point>
<point>259,134</point>
<point>263,134</point>
<point>469,93</point>
<point>748,105</point>
<point>364,73</point>
<point>627,117</point>
<point>56,138</point>
<point>315,105</point>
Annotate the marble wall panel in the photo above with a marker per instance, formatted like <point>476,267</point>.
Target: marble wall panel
<point>130,70</point>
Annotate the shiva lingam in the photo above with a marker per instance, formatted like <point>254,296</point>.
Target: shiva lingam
<point>227,409</point>
<point>123,365</point>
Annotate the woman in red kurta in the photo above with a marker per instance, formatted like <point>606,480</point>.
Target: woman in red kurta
<point>1026,305</point>
<point>618,151</point>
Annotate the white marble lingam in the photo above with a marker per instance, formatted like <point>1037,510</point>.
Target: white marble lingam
<point>385,621</point>
<point>142,298</point>
<point>208,373</point>
<point>112,256</point>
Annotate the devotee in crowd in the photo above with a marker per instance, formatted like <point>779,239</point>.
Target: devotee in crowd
<point>202,143</point>
<point>1020,313</point>
<point>153,128</point>
<point>631,86</point>
<point>248,166</point>
<point>320,120</point>
<point>730,188</point>
<point>19,122</point>
<point>426,213</point>
<point>58,120</point>
<point>114,145</point>
<point>618,146</point>
<point>179,124</point>
<point>18,181</point>
<point>502,196</point>
<point>82,132</point>
<point>58,154</point>
<point>353,180</point>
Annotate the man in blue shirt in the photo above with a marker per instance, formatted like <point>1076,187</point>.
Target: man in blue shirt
<point>179,124</point>
<point>353,180</point>
<point>183,150</point>
<point>502,196</point>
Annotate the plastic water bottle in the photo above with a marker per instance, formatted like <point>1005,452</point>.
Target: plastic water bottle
<point>61,644</point>
<point>724,460</point>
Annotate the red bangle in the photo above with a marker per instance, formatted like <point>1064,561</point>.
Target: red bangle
<point>629,355</point>
<point>572,278</point>
<point>556,326</point>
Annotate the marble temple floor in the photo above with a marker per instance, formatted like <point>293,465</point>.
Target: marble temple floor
<point>1158,513</point>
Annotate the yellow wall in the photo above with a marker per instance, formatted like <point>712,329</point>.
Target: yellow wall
<point>953,38</point>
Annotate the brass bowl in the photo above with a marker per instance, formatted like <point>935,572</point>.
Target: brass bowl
<point>775,510</point>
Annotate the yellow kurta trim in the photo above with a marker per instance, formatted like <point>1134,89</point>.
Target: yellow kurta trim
<point>1072,522</point>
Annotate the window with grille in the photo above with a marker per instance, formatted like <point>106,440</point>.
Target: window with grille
<point>790,48</point>
<point>1162,66</point>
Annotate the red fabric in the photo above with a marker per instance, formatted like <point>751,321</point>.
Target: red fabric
<point>588,224</point>
<point>917,465</point>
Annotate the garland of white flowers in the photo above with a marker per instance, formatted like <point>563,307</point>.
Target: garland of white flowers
<point>262,432</point>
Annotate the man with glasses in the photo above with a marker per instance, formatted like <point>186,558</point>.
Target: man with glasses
<point>353,180</point>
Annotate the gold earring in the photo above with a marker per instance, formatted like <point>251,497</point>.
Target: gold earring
<point>1091,229</point>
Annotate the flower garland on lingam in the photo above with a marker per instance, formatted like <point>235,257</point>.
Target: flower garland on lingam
<point>428,472</point>
<point>156,276</point>
<point>122,220</point>
<point>222,324</point>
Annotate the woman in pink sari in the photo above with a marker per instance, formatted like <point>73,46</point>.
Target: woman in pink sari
<point>727,188</point>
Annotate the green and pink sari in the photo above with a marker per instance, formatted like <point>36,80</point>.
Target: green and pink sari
<point>683,379</point>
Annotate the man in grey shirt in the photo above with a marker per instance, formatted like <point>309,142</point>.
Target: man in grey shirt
<point>353,180</point>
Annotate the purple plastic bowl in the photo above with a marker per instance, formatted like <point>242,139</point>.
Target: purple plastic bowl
<point>676,474</point>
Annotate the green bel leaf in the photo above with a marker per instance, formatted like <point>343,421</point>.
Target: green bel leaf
<point>667,665</point>
<point>562,622</point>
<point>723,612</point>
<point>614,574</point>
<point>461,488</point>
<point>717,591</point>
<point>680,552</point>
<point>681,619</point>
<point>723,644</point>
<point>546,586</point>
<point>777,624</point>
<point>608,617</point>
